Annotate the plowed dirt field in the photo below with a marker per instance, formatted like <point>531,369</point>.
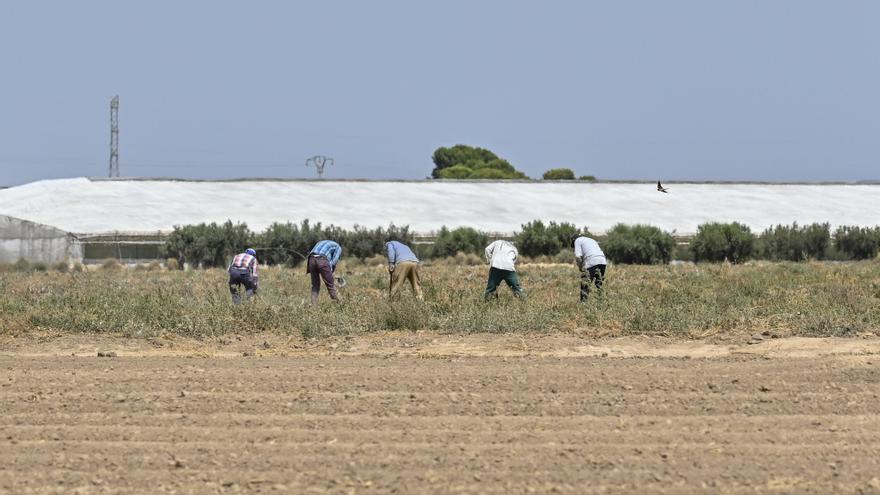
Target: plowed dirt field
<point>420,413</point>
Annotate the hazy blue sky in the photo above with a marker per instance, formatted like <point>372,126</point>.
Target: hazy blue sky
<point>737,90</point>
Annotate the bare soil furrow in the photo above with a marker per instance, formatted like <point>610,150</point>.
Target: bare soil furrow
<point>335,423</point>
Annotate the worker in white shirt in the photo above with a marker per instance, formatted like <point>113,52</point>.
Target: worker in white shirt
<point>501,256</point>
<point>590,259</point>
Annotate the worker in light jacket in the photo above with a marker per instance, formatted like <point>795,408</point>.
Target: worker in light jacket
<point>501,256</point>
<point>590,259</point>
<point>402,265</point>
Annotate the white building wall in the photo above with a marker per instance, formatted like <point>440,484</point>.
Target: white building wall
<point>21,239</point>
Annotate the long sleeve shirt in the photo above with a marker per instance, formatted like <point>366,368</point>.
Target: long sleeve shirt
<point>244,261</point>
<point>588,253</point>
<point>329,250</point>
<point>502,255</point>
<point>398,251</point>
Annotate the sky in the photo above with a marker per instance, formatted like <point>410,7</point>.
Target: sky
<point>781,90</point>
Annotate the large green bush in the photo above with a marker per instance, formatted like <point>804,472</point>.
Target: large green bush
<point>794,243</point>
<point>462,239</point>
<point>489,173</point>
<point>455,172</point>
<point>469,162</point>
<point>536,239</point>
<point>714,241</point>
<point>558,174</point>
<point>857,243</point>
<point>638,244</point>
<point>460,154</point>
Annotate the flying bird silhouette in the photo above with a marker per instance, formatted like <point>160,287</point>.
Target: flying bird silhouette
<point>661,188</point>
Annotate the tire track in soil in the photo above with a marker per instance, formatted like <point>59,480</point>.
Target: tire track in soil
<point>445,424</point>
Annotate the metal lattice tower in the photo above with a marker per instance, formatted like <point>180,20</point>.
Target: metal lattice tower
<point>114,137</point>
<point>319,162</point>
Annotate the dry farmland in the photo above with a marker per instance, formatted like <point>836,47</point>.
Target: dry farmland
<point>425,413</point>
<point>692,301</point>
<point>192,397</point>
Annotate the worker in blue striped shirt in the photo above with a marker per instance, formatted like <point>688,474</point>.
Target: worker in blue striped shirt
<point>322,264</point>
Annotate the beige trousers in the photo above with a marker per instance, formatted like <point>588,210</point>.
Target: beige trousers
<point>405,270</point>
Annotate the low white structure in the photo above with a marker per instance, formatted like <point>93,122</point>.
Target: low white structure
<point>20,239</point>
<point>94,206</point>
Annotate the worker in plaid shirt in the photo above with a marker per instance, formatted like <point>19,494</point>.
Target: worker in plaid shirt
<point>322,264</point>
<point>243,271</point>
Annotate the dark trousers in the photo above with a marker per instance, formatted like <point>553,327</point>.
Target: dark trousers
<point>237,278</point>
<point>594,276</point>
<point>320,268</point>
<point>496,276</point>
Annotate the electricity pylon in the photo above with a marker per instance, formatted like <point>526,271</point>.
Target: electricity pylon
<point>319,162</point>
<point>114,137</point>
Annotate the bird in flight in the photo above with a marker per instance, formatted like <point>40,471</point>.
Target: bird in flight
<point>661,188</point>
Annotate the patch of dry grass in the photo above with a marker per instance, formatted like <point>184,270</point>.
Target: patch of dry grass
<point>810,299</point>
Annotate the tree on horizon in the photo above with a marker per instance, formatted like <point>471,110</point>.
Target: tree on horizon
<point>469,162</point>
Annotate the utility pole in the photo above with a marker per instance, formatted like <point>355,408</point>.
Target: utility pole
<point>319,162</point>
<point>114,137</point>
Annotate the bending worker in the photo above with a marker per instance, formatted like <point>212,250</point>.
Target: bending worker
<point>402,265</point>
<point>322,264</point>
<point>501,256</point>
<point>590,260</point>
<point>243,271</point>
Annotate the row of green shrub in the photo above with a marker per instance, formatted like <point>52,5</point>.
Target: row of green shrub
<point>211,245</point>
<point>735,242</point>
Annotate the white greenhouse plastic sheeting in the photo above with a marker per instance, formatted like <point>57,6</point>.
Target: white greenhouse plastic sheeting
<point>88,206</point>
